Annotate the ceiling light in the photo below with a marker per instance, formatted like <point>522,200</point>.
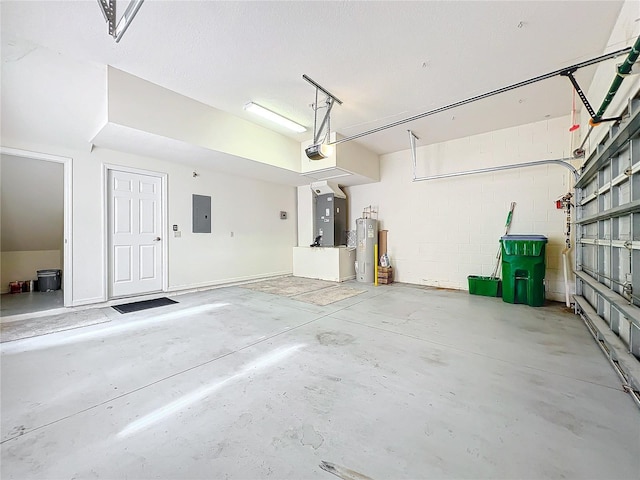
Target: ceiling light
<point>319,151</point>
<point>274,117</point>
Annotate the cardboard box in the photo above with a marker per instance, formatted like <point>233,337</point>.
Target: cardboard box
<point>382,242</point>
<point>385,275</point>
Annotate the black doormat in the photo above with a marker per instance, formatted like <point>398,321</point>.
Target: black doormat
<point>137,306</point>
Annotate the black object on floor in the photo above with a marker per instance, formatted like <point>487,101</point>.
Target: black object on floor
<point>137,306</point>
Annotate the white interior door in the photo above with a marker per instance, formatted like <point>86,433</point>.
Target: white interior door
<point>135,233</point>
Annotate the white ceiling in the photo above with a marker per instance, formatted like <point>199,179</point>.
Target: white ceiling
<point>385,60</point>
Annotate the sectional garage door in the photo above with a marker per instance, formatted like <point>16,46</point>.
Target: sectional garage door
<point>608,243</point>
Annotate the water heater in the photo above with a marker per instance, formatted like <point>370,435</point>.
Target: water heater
<point>367,238</point>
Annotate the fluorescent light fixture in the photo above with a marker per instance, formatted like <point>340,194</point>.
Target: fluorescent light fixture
<point>274,117</point>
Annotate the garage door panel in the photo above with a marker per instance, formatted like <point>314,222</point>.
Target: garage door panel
<point>608,243</point>
<point>635,276</point>
<point>635,341</point>
<point>615,321</point>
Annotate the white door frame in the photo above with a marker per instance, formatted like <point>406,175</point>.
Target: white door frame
<point>164,228</point>
<point>67,267</point>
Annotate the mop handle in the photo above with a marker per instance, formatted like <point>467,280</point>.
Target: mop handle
<point>509,217</point>
<point>507,226</point>
<point>506,231</point>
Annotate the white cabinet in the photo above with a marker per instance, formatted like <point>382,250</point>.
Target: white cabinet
<point>335,264</point>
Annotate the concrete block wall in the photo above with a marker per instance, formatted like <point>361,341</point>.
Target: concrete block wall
<point>441,231</point>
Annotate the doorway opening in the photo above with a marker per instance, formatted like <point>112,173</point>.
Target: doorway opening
<point>35,242</point>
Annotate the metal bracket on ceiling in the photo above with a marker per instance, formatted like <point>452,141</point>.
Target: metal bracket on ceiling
<point>594,117</point>
<point>325,124</point>
<point>108,9</point>
<point>412,142</point>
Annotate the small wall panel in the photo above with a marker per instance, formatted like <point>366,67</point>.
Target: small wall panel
<point>201,214</point>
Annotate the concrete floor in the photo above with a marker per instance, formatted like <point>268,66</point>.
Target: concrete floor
<point>397,382</point>
<point>21,303</point>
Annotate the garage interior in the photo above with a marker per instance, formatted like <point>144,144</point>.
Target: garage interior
<point>191,290</point>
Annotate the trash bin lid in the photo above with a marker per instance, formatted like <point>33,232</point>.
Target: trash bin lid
<point>50,272</point>
<point>539,238</point>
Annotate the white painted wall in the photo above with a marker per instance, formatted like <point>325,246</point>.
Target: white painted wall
<point>19,266</point>
<point>305,215</point>
<point>31,204</point>
<point>441,231</point>
<point>145,106</point>
<point>261,245</point>
<point>354,157</point>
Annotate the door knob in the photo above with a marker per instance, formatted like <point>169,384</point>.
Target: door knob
<point>157,239</point>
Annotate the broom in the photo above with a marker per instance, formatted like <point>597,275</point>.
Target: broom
<point>507,225</point>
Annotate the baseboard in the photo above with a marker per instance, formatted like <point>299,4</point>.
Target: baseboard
<point>229,282</point>
<point>87,301</point>
<point>100,302</point>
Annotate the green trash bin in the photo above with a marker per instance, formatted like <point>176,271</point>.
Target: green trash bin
<point>523,269</point>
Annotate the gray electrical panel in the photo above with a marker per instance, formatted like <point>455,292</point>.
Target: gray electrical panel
<point>330,220</point>
<point>367,232</point>
<point>201,214</point>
